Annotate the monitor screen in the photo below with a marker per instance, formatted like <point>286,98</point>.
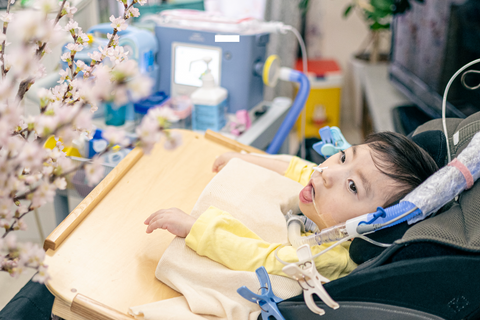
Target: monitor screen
<point>188,65</point>
<point>430,43</point>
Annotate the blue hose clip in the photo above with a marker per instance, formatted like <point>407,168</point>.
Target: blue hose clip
<point>267,301</point>
<point>332,142</point>
<point>380,213</point>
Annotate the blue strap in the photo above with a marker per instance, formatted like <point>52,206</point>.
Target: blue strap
<point>267,301</point>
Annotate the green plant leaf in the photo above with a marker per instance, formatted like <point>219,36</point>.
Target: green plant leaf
<point>303,6</point>
<point>379,26</point>
<point>348,10</point>
<point>383,5</point>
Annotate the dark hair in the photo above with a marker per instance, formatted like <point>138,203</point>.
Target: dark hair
<point>402,160</point>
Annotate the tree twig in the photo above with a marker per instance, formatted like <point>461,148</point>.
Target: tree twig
<point>2,53</point>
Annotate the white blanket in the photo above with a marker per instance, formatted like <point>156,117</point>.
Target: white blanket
<point>253,195</point>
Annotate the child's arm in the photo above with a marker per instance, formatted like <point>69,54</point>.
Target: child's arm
<point>278,165</point>
<point>287,165</point>
<point>224,239</point>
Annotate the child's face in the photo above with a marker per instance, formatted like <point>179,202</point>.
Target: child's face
<point>350,186</point>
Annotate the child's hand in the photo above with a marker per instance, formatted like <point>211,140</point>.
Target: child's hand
<point>222,160</point>
<point>173,220</point>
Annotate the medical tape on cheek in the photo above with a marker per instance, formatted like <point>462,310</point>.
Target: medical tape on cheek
<point>464,170</point>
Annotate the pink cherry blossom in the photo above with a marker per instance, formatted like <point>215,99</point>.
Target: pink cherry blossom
<point>69,10</point>
<point>60,183</point>
<point>115,136</point>
<point>74,47</point>
<point>95,56</point>
<point>174,139</point>
<point>94,171</point>
<point>71,26</point>
<point>133,12</point>
<point>44,194</point>
<point>118,23</point>
<point>42,276</point>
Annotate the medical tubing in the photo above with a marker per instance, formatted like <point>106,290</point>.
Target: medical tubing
<point>295,110</point>
<point>448,182</point>
<point>314,257</point>
<point>310,226</point>
<point>294,229</point>
<point>382,218</point>
<point>393,216</point>
<point>378,244</point>
<point>303,49</point>
<point>331,234</point>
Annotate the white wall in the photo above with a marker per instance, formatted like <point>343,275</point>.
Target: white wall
<point>342,36</point>
<point>339,38</point>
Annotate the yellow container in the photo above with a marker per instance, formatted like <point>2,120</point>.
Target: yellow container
<point>322,106</point>
<point>323,103</point>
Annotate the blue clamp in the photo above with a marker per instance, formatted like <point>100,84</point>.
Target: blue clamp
<point>267,301</point>
<point>332,142</point>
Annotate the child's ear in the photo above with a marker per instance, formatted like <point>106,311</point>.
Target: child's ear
<point>290,204</point>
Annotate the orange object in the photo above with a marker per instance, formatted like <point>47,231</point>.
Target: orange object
<point>321,68</point>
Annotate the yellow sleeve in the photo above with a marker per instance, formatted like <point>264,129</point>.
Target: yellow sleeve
<point>224,239</point>
<point>299,170</point>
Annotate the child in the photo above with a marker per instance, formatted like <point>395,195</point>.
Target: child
<point>356,181</point>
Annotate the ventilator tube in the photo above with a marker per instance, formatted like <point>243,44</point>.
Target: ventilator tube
<point>448,182</point>
<point>427,198</point>
<point>288,74</point>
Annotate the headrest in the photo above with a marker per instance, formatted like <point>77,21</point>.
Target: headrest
<point>433,142</point>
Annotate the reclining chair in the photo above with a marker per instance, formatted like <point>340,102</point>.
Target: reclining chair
<point>430,271</point>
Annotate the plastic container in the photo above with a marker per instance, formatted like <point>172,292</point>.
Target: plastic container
<point>141,107</point>
<point>182,107</point>
<point>95,145</point>
<point>149,9</point>
<point>114,115</point>
<point>209,103</point>
<point>323,103</point>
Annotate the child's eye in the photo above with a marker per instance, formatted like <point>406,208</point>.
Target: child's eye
<point>342,156</point>
<point>352,186</point>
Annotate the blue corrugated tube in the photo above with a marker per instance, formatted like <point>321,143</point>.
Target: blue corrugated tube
<point>294,112</point>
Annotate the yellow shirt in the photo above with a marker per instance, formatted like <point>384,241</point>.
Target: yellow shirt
<point>224,239</point>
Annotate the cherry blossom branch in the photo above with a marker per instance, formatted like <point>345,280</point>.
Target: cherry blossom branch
<point>57,18</point>
<point>12,226</point>
<point>27,83</point>
<point>2,52</point>
<point>29,172</point>
<point>93,64</point>
<point>42,140</point>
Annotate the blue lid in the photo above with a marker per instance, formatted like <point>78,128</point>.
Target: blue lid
<point>151,101</point>
<point>97,134</point>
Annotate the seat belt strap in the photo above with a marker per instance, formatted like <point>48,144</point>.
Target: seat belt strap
<point>463,136</point>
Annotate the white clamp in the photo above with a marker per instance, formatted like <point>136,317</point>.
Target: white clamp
<point>310,280</point>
